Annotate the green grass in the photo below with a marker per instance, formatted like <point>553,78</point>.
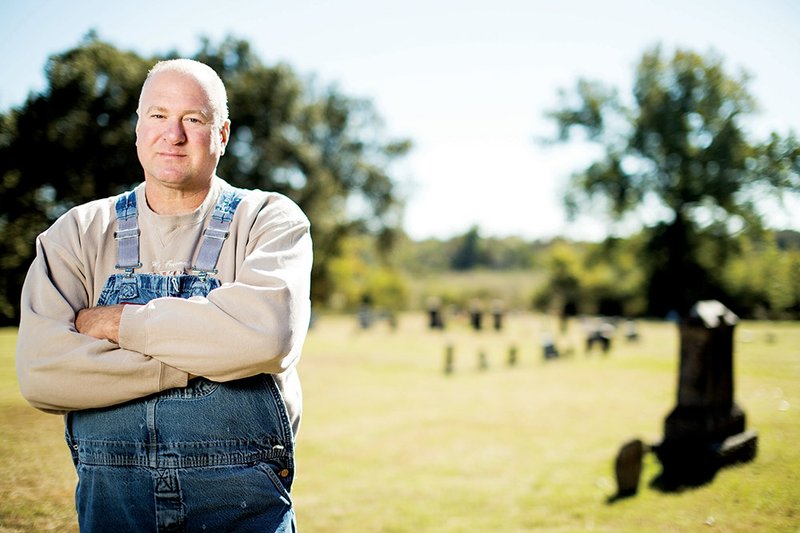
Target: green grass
<point>37,479</point>
<point>389,443</point>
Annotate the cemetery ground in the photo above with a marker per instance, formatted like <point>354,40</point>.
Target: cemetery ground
<point>390,443</point>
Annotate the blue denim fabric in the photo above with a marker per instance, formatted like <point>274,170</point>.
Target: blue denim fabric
<point>208,457</point>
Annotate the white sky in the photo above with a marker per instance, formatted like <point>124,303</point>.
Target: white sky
<point>467,81</point>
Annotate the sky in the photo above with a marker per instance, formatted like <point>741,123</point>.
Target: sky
<point>467,82</point>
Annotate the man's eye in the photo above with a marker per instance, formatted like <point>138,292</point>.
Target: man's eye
<point>194,120</point>
<point>156,115</point>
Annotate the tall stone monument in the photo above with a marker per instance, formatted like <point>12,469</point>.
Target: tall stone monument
<point>706,430</point>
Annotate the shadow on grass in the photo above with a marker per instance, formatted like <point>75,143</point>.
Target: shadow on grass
<point>671,483</point>
<point>667,482</point>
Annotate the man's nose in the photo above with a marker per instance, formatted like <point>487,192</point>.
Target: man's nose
<point>175,133</point>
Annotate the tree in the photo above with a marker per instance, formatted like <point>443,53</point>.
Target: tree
<point>70,144</point>
<point>594,278</point>
<point>468,253</point>
<point>765,279</point>
<point>680,144</point>
<point>75,142</point>
<point>360,273</point>
<point>561,292</point>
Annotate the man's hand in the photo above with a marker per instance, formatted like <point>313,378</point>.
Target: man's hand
<point>100,322</point>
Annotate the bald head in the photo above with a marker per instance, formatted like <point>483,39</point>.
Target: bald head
<point>205,76</point>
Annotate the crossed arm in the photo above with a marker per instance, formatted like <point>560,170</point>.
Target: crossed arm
<point>70,356</point>
<point>100,322</point>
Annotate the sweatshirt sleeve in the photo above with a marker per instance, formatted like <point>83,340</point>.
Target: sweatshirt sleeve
<point>59,369</point>
<point>255,324</point>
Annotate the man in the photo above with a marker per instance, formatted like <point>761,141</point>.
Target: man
<point>167,324</point>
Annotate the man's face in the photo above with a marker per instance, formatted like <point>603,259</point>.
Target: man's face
<point>177,140</point>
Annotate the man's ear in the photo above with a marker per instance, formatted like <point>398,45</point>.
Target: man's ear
<point>224,135</point>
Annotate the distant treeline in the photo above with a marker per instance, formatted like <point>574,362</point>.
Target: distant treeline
<point>762,280</point>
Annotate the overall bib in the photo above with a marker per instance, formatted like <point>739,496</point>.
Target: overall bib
<point>208,457</point>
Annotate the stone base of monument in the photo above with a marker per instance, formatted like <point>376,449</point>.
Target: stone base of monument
<point>739,448</point>
<point>692,462</point>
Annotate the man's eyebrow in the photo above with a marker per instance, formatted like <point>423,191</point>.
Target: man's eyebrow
<point>153,108</point>
<point>159,109</point>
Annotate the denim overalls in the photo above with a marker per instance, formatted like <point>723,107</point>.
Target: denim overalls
<point>208,457</point>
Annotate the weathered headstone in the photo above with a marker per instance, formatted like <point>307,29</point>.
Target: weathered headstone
<point>498,311</point>
<point>706,430</point>
<point>435,315</point>
<point>628,467</point>
<point>549,349</point>
<point>512,356</point>
<point>448,359</point>
<point>601,334</point>
<point>476,315</point>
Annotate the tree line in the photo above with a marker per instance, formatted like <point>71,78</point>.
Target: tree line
<point>563,277</point>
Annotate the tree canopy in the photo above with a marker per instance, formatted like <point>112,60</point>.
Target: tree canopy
<point>679,143</point>
<point>74,142</point>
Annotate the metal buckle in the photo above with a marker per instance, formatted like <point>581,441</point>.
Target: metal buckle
<point>203,274</point>
<point>128,269</point>
<point>127,234</point>
<point>212,233</point>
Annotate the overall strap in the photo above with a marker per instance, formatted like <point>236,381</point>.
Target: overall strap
<point>217,231</point>
<point>127,234</point>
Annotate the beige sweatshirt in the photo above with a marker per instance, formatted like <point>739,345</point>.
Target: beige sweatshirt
<point>256,322</point>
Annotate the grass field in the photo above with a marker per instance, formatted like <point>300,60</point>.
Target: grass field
<point>390,443</point>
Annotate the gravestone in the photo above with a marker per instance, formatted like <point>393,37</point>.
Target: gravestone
<point>448,359</point>
<point>498,311</point>
<point>628,467</point>
<point>512,356</point>
<point>600,334</point>
<point>706,430</point>
<point>435,316</point>
<point>549,349</point>
<point>476,315</point>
